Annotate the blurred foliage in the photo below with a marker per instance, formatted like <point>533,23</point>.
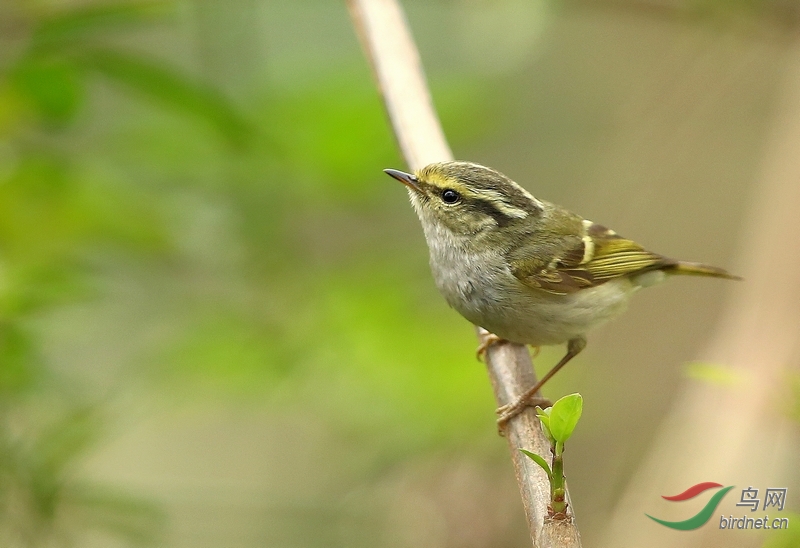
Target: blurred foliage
<point>785,538</point>
<point>712,373</point>
<point>41,501</point>
<point>64,48</point>
<point>121,168</point>
<point>54,217</point>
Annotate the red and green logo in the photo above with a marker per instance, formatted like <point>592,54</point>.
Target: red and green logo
<point>699,519</point>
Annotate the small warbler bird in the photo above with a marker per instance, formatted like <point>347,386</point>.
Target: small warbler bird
<point>526,270</point>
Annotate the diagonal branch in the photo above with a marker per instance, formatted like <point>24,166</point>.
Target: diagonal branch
<point>385,37</point>
<point>387,41</point>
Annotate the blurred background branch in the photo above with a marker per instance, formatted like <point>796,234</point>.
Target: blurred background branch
<point>730,421</point>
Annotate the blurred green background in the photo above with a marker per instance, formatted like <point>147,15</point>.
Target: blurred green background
<point>217,324</point>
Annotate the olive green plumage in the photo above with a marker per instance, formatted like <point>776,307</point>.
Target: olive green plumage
<point>524,269</point>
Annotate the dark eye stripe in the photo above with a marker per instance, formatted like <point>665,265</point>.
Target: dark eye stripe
<point>490,209</point>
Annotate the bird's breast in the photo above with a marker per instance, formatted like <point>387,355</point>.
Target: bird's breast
<point>481,287</point>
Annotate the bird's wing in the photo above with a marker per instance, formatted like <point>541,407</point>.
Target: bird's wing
<point>577,262</point>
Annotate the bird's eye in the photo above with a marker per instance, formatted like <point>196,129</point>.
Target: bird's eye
<point>450,196</point>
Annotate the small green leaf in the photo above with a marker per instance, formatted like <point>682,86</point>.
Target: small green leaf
<point>564,416</point>
<point>544,416</point>
<point>545,423</point>
<point>543,412</point>
<point>540,461</point>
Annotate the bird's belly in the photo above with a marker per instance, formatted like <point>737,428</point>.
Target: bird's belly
<point>521,314</point>
<point>553,319</point>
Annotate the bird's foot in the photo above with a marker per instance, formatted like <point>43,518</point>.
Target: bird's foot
<point>535,351</point>
<point>488,340</point>
<point>529,397</point>
<point>511,410</point>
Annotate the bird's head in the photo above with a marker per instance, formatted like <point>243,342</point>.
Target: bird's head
<point>466,199</point>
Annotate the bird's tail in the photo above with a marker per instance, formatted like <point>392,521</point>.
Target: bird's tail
<point>699,269</point>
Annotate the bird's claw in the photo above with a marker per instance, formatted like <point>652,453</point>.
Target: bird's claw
<point>487,341</point>
<point>511,410</point>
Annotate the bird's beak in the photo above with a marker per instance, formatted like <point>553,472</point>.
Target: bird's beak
<point>406,178</point>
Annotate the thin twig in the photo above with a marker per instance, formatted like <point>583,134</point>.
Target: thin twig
<point>385,36</point>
